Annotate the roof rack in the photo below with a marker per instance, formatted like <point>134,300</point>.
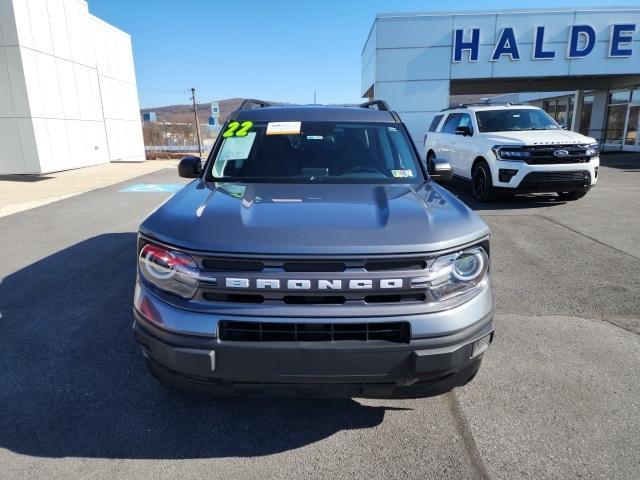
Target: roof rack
<point>245,105</point>
<point>381,104</point>
<point>480,104</point>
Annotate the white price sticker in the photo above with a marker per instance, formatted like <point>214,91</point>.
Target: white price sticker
<point>284,128</point>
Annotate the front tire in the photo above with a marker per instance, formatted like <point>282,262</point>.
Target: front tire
<point>570,196</point>
<point>482,183</point>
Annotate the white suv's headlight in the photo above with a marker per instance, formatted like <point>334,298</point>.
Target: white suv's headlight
<point>457,273</point>
<point>510,153</point>
<point>593,150</point>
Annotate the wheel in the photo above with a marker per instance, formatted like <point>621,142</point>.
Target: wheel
<point>575,195</point>
<point>430,158</point>
<point>482,184</point>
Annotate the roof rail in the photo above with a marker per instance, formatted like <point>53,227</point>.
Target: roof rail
<point>381,104</point>
<point>480,104</point>
<point>245,105</point>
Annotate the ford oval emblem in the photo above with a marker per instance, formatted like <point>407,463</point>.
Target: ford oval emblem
<point>561,153</point>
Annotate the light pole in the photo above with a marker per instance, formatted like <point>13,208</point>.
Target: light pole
<point>195,112</point>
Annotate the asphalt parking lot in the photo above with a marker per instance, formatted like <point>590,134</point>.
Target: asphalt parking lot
<point>558,395</point>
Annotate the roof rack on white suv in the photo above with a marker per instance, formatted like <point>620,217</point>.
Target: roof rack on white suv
<point>480,104</point>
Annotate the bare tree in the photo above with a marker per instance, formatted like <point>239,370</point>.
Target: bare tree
<point>153,134</point>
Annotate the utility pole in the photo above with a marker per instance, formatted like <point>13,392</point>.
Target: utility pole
<point>314,97</point>
<point>195,113</point>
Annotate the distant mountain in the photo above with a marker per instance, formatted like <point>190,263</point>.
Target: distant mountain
<point>184,113</point>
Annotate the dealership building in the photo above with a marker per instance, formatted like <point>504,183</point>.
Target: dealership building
<point>580,65</point>
<point>68,95</point>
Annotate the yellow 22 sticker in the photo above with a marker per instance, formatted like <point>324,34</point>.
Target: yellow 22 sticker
<point>237,129</point>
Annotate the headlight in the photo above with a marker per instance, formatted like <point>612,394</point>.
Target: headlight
<point>593,150</point>
<point>457,273</point>
<point>171,271</point>
<point>510,153</point>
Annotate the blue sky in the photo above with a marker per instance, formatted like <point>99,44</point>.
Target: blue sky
<point>272,49</point>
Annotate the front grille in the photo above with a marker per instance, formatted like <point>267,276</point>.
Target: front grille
<point>544,154</point>
<point>237,331</point>
<point>547,177</point>
<point>338,272</point>
<point>555,181</point>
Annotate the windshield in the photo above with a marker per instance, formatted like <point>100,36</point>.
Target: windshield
<point>514,119</point>
<point>306,152</point>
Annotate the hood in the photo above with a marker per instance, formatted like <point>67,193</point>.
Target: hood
<point>538,137</point>
<point>313,219</point>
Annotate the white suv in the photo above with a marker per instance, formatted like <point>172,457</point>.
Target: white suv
<point>512,148</point>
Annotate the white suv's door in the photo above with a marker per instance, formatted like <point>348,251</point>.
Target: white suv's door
<point>447,141</point>
<point>463,155</point>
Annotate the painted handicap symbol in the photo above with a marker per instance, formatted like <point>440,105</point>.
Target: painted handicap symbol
<point>152,188</point>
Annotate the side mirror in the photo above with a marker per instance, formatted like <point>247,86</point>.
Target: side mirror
<point>190,167</point>
<point>564,126</point>
<point>464,131</point>
<point>442,171</point>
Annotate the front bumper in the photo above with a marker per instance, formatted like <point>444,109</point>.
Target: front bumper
<point>425,366</point>
<point>545,178</point>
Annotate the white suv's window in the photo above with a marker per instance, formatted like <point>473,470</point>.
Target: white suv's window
<point>451,123</point>
<point>465,121</point>
<point>507,120</point>
<point>434,123</point>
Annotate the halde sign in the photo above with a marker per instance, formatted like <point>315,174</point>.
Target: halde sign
<point>582,40</point>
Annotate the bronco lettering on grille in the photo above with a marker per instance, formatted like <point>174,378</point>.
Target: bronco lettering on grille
<point>324,284</point>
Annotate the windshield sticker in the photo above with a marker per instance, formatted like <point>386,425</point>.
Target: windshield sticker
<point>237,129</point>
<point>284,128</point>
<point>402,173</point>
<point>314,137</point>
<point>237,148</point>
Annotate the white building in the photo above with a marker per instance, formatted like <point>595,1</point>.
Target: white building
<point>68,95</point>
<point>590,57</point>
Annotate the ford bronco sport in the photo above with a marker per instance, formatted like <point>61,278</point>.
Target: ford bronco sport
<point>512,149</point>
<point>313,255</point>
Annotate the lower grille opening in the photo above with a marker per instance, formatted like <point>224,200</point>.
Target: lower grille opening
<point>556,180</point>
<point>410,298</point>
<point>232,297</point>
<point>578,176</point>
<point>313,300</point>
<point>231,330</point>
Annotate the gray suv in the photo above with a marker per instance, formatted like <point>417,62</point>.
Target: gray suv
<point>312,254</point>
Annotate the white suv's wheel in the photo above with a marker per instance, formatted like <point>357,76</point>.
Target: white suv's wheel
<point>482,183</point>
